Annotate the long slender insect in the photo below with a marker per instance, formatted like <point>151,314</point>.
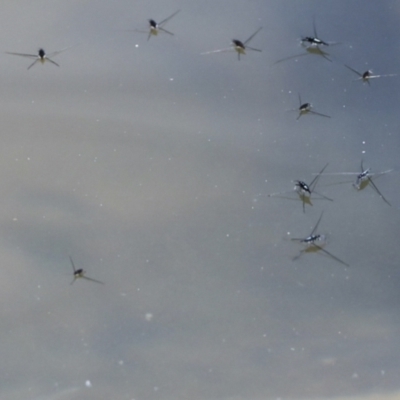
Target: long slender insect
<point>367,75</point>
<point>304,190</point>
<point>312,45</point>
<point>363,179</point>
<point>155,27</point>
<point>306,108</point>
<point>41,56</point>
<point>311,242</point>
<point>80,273</point>
<point>238,46</point>
<point>314,40</point>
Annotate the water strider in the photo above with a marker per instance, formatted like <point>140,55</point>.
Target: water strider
<point>80,273</point>
<point>156,27</point>
<point>238,46</point>
<point>367,75</point>
<point>304,190</point>
<point>312,45</point>
<point>363,179</point>
<point>41,56</point>
<point>306,108</point>
<point>314,40</point>
<point>312,244</point>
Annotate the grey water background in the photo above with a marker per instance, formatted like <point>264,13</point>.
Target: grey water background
<point>151,164</point>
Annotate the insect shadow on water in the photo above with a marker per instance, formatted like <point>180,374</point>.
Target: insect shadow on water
<point>312,244</point>
<point>304,191</point>
<point>306,108</point>
<point>313,46</point>
<point>80,273</point>
<point>238,46</point>
<point>154,27</point>
<point>367,75</point>
<point>363,179</point>
<point>41,56</point>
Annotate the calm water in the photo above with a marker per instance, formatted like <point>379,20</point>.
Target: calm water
<point>151,164</point>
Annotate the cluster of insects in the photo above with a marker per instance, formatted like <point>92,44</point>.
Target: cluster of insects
<point>315,242</point>
<point>306,192</point>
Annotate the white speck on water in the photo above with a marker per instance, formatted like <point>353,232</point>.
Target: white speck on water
<point>149,317</point>
<point>88,384</point>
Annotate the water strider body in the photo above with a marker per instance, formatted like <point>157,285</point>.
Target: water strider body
<point>314,40</point>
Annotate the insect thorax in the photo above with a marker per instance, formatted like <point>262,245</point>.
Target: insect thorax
<point>366,74</point>
<point>305,107</point>
<point>302,187</point>
<point>312,239</point>
<point>238,44</point>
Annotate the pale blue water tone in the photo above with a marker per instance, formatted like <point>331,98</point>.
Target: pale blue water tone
<point>151,164</point>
